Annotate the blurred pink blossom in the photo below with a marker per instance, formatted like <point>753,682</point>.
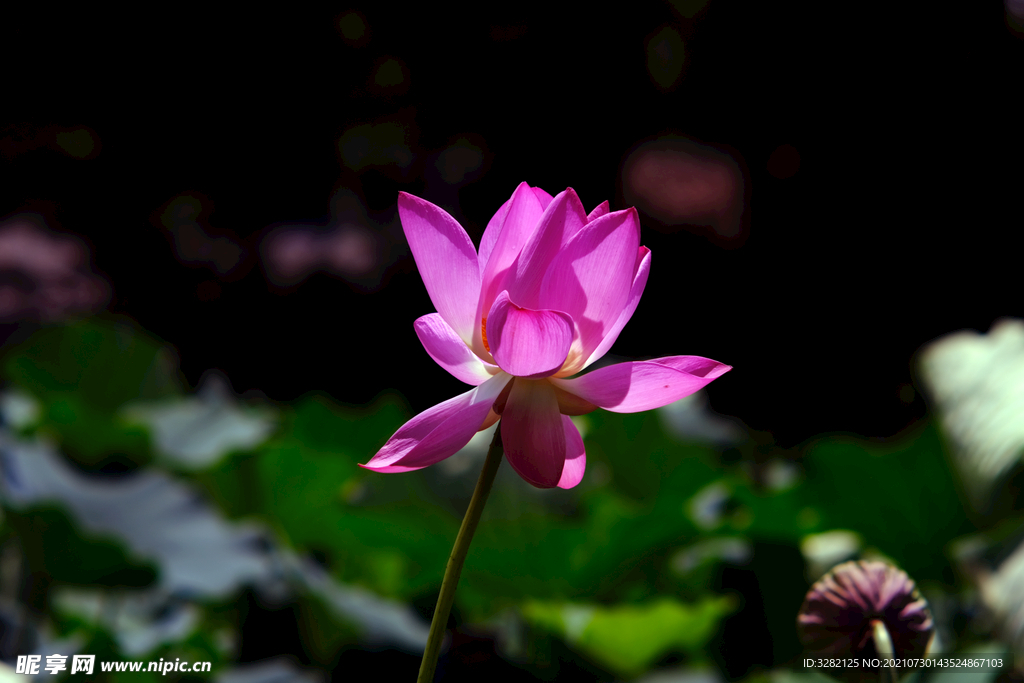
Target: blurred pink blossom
<point>45,276</point>
<point>294,253</point>
<point>346,247</point>
<point>677,181</point>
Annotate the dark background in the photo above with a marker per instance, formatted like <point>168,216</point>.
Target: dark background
<point>896,227</point>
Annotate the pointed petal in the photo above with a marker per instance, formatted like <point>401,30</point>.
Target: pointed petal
<point>438,432</point>
<point>575,456</point>
<point>599,210</point>
<point>592,275</point>
<point>512,232</point>
<point>533,434</point>
<point>527,343</point>
<point>695,365</point>
<point>542,196</point>
<point>450,352</point>
<point>446,260</point>
<point>490,236</point>
<point>643,269</point>
<point>562,219</point>
<point>643,385</point>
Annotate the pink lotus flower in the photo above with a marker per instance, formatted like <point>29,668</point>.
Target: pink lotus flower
<point>546,296</point>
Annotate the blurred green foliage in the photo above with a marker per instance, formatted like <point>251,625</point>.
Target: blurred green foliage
<point>103,363</point>
<point>58,548</point>
<point>629,638</point>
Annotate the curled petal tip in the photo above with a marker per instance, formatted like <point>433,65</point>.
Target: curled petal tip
<point>719,371</point>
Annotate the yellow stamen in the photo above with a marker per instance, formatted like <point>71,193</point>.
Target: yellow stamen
<point>483,333</point>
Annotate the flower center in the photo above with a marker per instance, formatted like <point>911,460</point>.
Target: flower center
<point>483,333</point>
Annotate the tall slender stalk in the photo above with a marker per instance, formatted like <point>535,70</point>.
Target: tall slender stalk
<point>458,557</point>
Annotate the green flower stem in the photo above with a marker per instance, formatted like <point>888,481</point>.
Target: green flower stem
<point>458,557</point>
